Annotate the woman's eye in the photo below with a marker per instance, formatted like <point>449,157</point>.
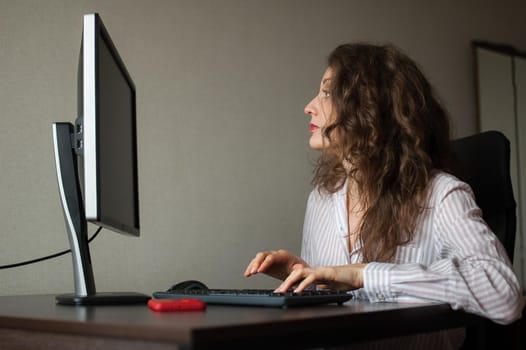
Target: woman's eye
<point>325,93</point>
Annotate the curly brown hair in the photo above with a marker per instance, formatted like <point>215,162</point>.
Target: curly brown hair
<point>392,131</point>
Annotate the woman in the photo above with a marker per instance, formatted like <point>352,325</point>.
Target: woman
<point>385,219</point>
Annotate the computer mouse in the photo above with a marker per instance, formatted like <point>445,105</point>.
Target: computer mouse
<point>188,286</point>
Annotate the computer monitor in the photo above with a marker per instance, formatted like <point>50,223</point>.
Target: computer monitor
<point>102,187</point>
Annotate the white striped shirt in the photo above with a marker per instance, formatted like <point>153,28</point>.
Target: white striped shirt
<point>454,257</point>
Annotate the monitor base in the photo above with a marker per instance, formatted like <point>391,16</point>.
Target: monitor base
<point>113,298</point>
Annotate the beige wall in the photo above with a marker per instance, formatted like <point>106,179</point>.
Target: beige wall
<point>223,160</point>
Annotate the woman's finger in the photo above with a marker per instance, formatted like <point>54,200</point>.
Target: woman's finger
<point>310,279</point>
<point>254,265</point>
<point>291,280</point>
<point>266,263</point>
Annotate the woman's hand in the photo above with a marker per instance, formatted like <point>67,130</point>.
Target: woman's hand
<point>344,277</point>
<point>277,263</point>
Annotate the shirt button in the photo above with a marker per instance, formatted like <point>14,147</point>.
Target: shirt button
<point>380,297</point>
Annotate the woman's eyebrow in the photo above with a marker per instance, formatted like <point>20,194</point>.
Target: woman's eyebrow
<point>326,80</point>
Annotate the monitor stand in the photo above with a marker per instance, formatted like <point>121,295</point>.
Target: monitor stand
<point>72,205</point>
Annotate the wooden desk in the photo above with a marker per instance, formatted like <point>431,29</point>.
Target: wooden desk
<point>37,322</point>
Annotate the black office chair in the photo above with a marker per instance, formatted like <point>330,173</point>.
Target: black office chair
<point>483,161</point>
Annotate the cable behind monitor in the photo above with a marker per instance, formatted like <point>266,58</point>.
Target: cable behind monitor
<point>47,257</point>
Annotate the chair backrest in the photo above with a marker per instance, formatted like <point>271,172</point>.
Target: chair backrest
<point>483,161</point>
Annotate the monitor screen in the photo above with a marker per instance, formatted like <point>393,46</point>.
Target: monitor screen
<point>109,137</point>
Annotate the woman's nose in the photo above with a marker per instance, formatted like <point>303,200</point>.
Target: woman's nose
<point>310,108</point>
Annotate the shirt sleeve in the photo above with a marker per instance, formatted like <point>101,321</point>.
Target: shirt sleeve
<point>472,273</point>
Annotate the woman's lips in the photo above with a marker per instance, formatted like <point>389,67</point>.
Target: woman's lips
<point>313,127</point>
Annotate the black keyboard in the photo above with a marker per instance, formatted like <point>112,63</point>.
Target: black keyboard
<point>258,297</point>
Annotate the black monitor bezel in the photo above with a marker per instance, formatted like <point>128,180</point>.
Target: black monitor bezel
<point>93,33</point>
